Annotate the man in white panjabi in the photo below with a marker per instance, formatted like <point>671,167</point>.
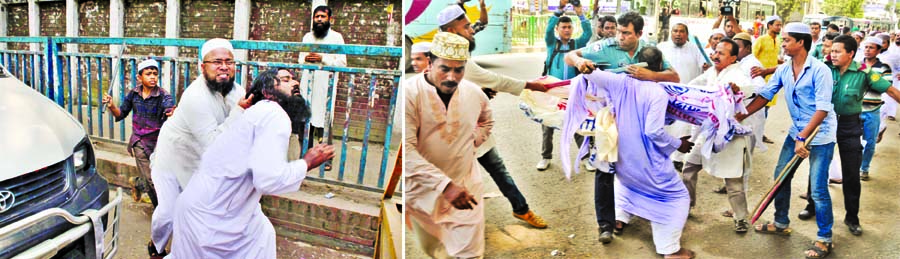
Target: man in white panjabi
<point>733,163</point>
<point>447,118</point>
<point>320,80</point>
<point>686,58</point>
<point>208,106</point>
<point>218,215</point>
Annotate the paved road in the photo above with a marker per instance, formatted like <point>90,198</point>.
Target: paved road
<point>568,205</point>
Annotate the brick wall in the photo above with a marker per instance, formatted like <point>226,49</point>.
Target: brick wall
<point>278,20</point>
<point>93,18</point>
<point>17,22</point>
<point>365,23</point>
<point>145,19</point>
<point>53,18</point>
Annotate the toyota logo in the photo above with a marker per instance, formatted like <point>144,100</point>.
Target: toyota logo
<point>7,199</point>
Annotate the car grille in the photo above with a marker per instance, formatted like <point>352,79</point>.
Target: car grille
<point>35,187</point>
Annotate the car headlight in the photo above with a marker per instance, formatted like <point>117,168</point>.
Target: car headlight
<point>82,161</point>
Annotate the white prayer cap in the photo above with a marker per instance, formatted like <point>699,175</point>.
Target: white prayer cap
<point>717,31</point>
<point>421,47</point>
<point>147,63</point>
<point>873,40</point>
<point>772,18</point>
<point>449,14</point>
<point>212,44</point>
<point>797,27</point>
<point>859,34</point>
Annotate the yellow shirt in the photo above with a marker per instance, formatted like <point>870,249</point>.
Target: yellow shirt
<point>766,50</point>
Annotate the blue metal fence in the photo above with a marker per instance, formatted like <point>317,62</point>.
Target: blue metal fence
<point>51,72</point>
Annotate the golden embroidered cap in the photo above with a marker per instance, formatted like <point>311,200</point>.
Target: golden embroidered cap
<point>450,46</point>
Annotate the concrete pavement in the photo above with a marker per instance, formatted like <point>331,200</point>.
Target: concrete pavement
<point>568,208</point>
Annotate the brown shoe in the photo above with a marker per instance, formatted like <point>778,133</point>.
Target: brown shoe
<point>135,188</point>
<point>532,219</point>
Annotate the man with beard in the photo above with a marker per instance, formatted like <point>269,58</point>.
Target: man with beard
<point>453,20</point>
<point>447,118</point>
<point>208,107</point>
<point>321,34</point>
<point>219,215</point>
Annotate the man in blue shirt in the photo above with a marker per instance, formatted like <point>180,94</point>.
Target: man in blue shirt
<point>807,84</point>
<point>555,66</point>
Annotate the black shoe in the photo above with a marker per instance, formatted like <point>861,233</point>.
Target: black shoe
<point>864,176</point>
<point>741,226</point>
<point>151,250</point>
<point>855,229</point>
<point>806,214</point>
<point>767,140</point>
<point>606,236</point>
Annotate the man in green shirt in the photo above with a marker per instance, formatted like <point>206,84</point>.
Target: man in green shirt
<point>821,50</point>
<point>851,84</point>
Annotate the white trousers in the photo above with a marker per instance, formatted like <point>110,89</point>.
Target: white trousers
<point>666,238</point>
<point>468,240</point>
<point>167,191</point>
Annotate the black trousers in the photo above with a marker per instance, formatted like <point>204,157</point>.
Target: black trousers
<point>604,205</point>
<point>849,131</point>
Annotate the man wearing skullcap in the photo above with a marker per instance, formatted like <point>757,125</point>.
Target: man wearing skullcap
<point>447,118</point>
<point>453,20</point>
<point>208,106</point>
<point>321,33</point>
<point>418,56</point>
<point>809,82</point>
<point>714,38</point>
<point>152,105</point>
<point>856,98</point>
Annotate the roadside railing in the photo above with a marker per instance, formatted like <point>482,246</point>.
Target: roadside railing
<point>77,81</point>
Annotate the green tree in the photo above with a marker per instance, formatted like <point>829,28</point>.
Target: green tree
<point>849,8</point>
<point>784,8</point>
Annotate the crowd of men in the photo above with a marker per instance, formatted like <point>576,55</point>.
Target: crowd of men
<point>835,86</point>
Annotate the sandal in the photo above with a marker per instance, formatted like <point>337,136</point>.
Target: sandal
<point>688,255</point>
<point>619,230</point>
<point>728,214</point>
<point>820,253</point>
<point>764,228</point>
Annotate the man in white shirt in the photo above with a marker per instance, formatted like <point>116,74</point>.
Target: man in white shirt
<point>322,34</point>
<point>208,106</point>
<point>686,58</point>
<point>247,161</point>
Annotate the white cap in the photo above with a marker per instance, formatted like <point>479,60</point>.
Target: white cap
<point>873,40</point>
<point>421,47</point>
<point>859,34</point>
<point>772,18</point>
<point>717,31</point>
<point>449,14</point>
<point>797,27</point>
<point>147,63</point>
<point>215,44</point>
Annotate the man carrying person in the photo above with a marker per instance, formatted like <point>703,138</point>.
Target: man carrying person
<point>619,52</point>
<point>152,105</point>
<point>445,115</point>
<point>647,186</point>
<point>208,106</point>
<point>555,66</point>
<point>321,33</point>
<point>810,83</point>
<point>248,160</point>
<point>453,20</point>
